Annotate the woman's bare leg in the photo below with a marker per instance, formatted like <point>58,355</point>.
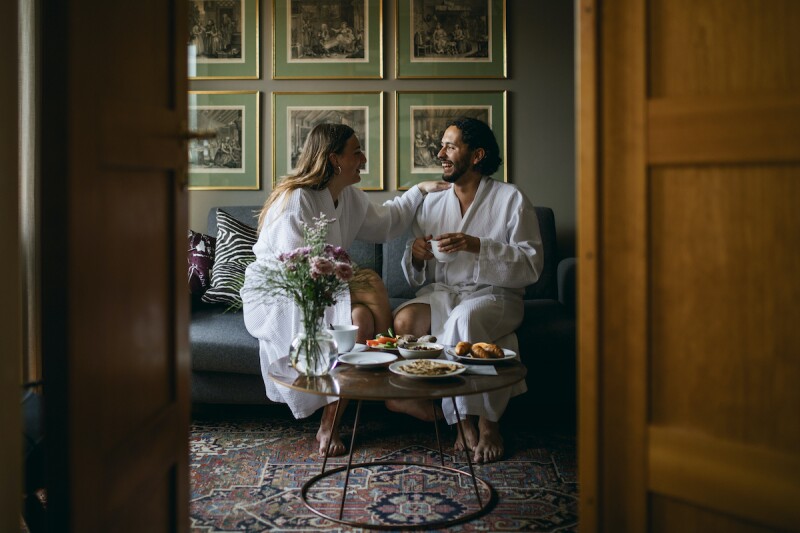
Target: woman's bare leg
<point>362,317</point>
<point>370,292</point>
<point>330,433</point>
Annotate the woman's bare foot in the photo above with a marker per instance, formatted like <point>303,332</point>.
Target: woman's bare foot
<point>327,435</point>
<point>490,445</point>
<point>467,427</point>
<point>417,408</point>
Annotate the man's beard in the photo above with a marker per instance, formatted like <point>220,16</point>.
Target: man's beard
<point>456,175</point>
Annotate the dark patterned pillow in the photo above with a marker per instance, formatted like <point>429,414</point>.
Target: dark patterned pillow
<point>234,252</point>
<point>201,261</point>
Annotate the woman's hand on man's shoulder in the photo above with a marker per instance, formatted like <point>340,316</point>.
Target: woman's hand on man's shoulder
<point>433,186</point>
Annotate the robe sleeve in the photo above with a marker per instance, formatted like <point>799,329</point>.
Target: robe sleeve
<point>385,222</point>
<point>517,263</point>
<point>415,278</point>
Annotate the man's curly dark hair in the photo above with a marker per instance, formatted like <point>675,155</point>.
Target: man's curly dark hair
<point>476,133</point>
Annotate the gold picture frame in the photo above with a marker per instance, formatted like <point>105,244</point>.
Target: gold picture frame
<point>454,39</point>
<point>330,39</point>
<point>294,114</point>
<point>223,40</point>
<point>421,117</point>
<point>229,160</point>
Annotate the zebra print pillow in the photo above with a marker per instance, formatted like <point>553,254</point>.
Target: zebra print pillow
<point>234,252</point>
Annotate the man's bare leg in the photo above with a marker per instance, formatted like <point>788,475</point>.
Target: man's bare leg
<point>485,442</point>
<point>414,319</point>
<point>330,433</point>
<point>490,445</point>
<point>467,427</point>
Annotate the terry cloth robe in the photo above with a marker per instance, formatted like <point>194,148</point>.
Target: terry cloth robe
<point>274,321</point>
<point>478,297</point>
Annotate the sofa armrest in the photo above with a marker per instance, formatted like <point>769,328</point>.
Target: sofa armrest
<point>567,273</point>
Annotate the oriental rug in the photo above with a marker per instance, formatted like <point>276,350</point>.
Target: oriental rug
<point>247,473</point>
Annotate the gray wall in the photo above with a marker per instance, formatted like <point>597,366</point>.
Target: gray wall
<point>541,115</point>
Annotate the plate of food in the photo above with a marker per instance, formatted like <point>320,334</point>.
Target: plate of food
<point>386,342</point>
<point>482,353</point>
<point>367,359</point>
<point>426,368</point>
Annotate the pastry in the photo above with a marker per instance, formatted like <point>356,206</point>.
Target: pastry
<point>485,350</point>
<point>462,348</point>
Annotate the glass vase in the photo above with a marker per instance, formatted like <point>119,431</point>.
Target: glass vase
<point>313,349</point>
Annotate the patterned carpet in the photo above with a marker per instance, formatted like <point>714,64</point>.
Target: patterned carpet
<point>247,472</point>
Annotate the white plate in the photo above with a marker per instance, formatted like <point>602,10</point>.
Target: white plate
<point>367,359</point>
<point>478,361</point>
<point>358,347</point>
<point>397,368</point>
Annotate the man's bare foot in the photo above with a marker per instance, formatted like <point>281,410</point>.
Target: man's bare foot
<point>490,446</point>
<point>417,408</point>
<point>327,435</point>
<point>467,427</point>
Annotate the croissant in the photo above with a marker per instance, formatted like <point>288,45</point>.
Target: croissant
<point>462,348</point>
<point>484,350</point>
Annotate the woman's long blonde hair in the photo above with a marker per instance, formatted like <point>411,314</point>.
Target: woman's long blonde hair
<point>314,168</point>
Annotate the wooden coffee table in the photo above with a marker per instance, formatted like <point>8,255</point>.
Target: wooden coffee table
<point>379,384</point>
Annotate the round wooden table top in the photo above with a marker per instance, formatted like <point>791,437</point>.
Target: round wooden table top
<point>379,383</point>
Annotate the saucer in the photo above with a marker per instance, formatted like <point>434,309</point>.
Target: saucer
<point>367,359</point>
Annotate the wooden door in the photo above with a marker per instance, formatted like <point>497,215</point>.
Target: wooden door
<point>114,219</point>
<point>689,224</point>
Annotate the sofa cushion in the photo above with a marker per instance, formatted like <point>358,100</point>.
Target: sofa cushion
<point>546,286</point>
<point>201,261</point>
<point>235,241</point>
<point>221,343</point>
<point>396,284</point>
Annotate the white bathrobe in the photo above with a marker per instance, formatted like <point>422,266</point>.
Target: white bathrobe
<point>275,321</point>
<point>478,297</point>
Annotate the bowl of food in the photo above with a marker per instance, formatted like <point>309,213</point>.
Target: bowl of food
<point>421,350</point>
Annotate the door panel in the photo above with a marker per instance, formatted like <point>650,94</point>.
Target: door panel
<point>688,332</point>
<point>721,285</point>
<point>116,358</point>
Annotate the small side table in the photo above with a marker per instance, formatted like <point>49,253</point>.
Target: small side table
<point>379,384</point>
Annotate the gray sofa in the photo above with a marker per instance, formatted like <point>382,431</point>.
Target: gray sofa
<point>225,361</point>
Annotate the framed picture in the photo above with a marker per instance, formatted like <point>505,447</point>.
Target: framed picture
<point>318,39</point>
<point>229,160</point>
<point>421,119</point>
<point>223,39</point>
<point>451,39</point>
<point>295,114</point>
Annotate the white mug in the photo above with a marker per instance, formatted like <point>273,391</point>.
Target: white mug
<point>344,335</point>
<point>442,257</point>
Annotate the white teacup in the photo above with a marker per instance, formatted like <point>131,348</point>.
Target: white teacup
<point>345,336</point>
<point>442,257</point>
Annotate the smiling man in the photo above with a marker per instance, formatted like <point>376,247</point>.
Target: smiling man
<point>492,229</point>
